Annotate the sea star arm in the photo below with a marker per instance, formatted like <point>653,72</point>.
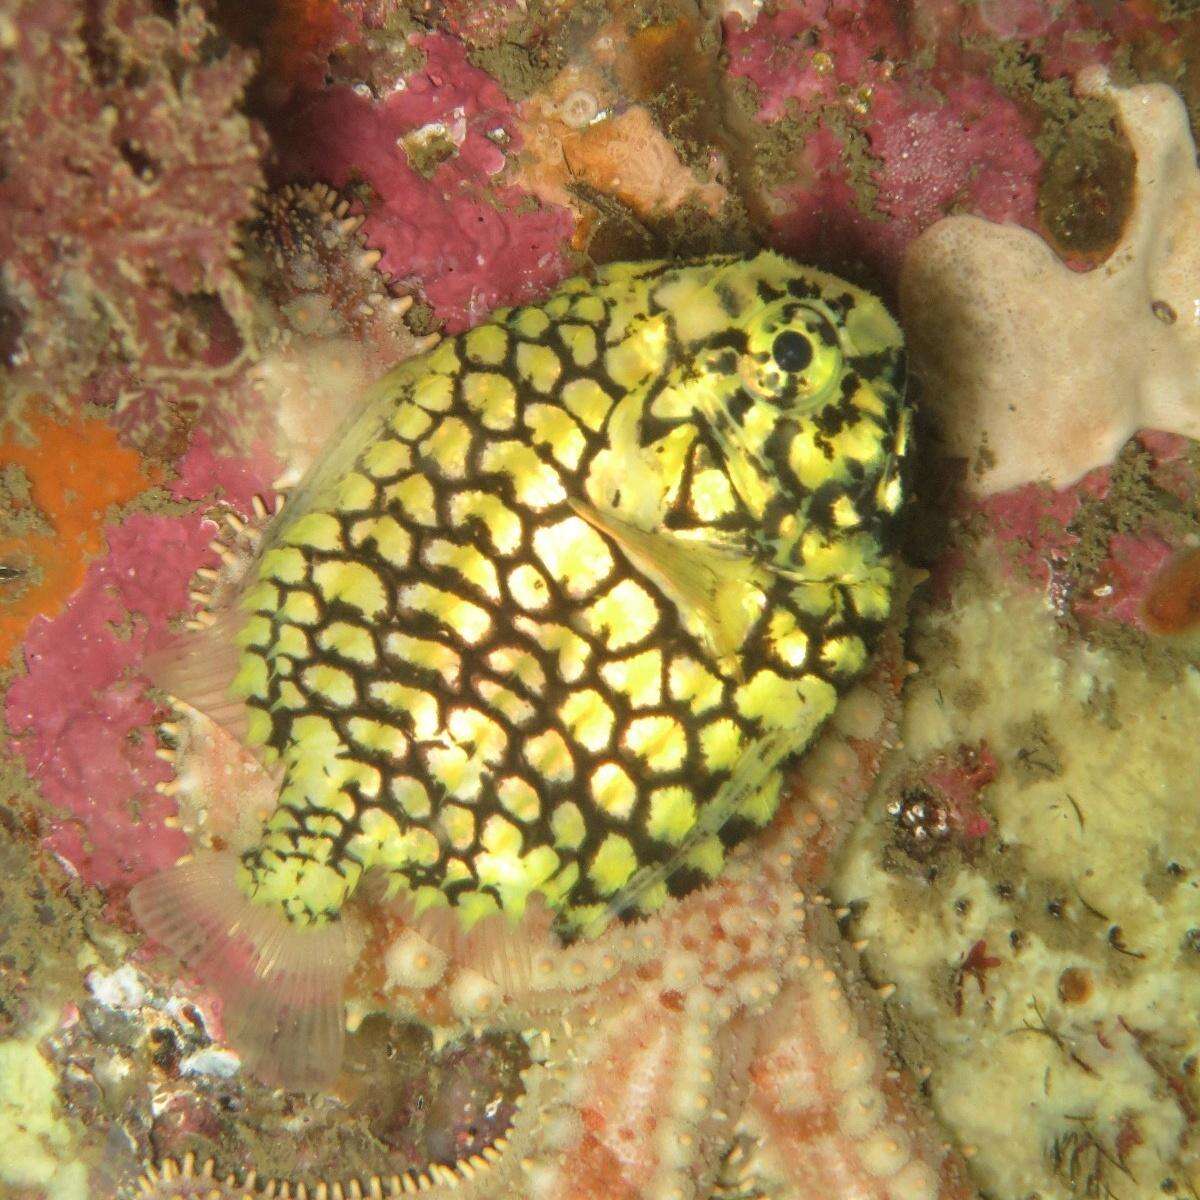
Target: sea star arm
<point>828,1114</point>
<point>640,1088</point>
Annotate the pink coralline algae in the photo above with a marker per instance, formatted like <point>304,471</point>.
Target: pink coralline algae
<point>960,778</point>
<point>125,168</point>
<point>969,149</point>
<point>205,474</point>
<point>83,725</point>
<point>927,141</point>
<point>433,151</point>
<point>1133,563</point>
<point>814,52</point>
<point>1033,522</point>
<point>80,716</point>
<point>1066,36</point>
<point>1125,544</point>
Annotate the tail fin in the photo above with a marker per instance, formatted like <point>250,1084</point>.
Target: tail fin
<point>280,983</point>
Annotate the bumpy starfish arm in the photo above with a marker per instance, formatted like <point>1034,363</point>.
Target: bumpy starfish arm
<point>499,1172</point>
<point>649,1090</point>
<point>828,1114</point>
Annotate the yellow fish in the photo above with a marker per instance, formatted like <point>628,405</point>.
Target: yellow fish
<point>547,621</point>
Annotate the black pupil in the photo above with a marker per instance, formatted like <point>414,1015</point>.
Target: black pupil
<point>792,351</point>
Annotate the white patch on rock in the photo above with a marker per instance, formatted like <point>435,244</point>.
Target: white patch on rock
<point>1037,372</point>
<point>122,988</point>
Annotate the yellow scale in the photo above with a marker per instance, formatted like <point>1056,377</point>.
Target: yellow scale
<point>551,616</point>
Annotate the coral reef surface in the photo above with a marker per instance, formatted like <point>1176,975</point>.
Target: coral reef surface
<point>219,223</point>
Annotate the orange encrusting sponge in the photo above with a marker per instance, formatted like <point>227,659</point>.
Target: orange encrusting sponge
<point>76,471</point>
<point>1172,605</point>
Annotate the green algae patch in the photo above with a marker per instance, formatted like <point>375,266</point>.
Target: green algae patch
<point>50,932</point>
<point>428,148</point>
<point>1134,503</point>
<point>1130,499</point>
<point>1086,193</point>
<point>45,914</point>
<point>690,230</point>
<point>538,45</point>
<point>1017,72</point>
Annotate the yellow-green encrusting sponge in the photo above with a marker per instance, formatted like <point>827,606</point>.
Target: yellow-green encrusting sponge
<point>554,611</point>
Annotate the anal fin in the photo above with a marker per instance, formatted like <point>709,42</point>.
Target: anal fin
<point>280,984</point>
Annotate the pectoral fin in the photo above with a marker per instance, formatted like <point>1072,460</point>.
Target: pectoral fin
<point>280,984</point>
<point>715,583</point>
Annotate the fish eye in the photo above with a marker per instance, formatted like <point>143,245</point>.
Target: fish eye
<point>791,350</point>
<point>793,354</point>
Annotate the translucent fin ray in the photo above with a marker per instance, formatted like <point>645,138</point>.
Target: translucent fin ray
<point>496,947</point>
<point>705,578</point>
<point>280,983</point>
<point>199,667</point>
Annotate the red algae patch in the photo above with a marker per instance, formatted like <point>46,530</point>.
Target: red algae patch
<point>1172,604</point>
<point>433,153</point>
<point>72,474</point>
<point>80,716</point>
